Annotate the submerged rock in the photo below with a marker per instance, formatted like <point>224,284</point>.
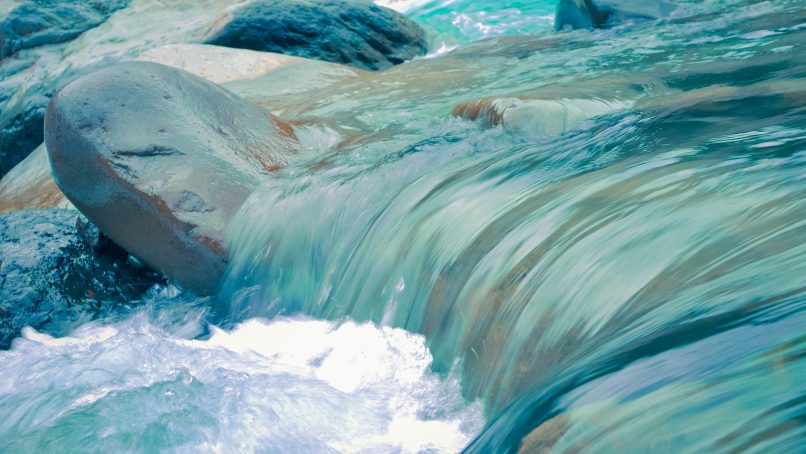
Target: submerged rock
<point>52,279</point>
<point>534,115</point>
<point>607,13</point>
<point>161,160</point>
<point>356,33</point>
<point>39,22</point>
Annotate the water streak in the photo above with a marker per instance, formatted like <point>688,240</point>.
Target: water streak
<point>544,261</point>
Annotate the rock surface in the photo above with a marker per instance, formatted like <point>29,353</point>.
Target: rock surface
<point>38,22</point>
<point>161,160</point>
<point>607,13</point>
<point>225,64</point>
<point>536,116</point>
<point>30,185</point>
<point>54,42</point>
<point>52,279</point>
<point>355,33</point>
<point>268,79</point>
<point>21,127</point>
<point>275,81</point>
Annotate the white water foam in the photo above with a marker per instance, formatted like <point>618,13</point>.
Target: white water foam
<point>288,385</point>
<point>401,5</point>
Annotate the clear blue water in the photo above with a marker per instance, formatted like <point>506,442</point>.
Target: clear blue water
<point>618,266</point>
<point>451,23</point>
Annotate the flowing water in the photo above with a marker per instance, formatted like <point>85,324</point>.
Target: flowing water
<point>609,259</point>
<point>288,385</point>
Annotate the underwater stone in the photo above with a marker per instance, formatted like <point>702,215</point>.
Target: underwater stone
<point>160,160</point>
<point>357,33</point>
<point>607,13</point>
<point>51,279</point>
<point>535,115</point>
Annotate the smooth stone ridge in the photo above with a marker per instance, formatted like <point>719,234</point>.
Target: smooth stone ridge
<point>246,72</point>
<point>356,33</point>
<point>52,278</point>
<point>160,160</point>
<point>608,13</point>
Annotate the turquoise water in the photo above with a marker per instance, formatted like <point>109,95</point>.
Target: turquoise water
<point>451,23</point>
<point>661,235</point>
<point>610,260</point>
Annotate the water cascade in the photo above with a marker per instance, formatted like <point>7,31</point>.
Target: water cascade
<point>572,241</point>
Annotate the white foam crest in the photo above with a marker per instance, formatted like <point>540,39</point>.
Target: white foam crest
<point>401,5</point>
<point>282,385</point>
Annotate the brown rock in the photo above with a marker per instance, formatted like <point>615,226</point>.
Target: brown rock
<point>30,185</point>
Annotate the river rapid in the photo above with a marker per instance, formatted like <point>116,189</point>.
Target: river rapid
<point>607,254</point>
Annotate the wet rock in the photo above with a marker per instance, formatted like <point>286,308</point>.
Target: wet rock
<point>39,22</point>
<point>36,23</point>
<point>543,438</point>
<point>607,13</point>
<point>95,239</point>
<point>30,185</point>
<point>535,115</point>
<point>21,130</point>
<point>356,33</point>
<point>273,80</point>
<point>268,79</point>
<point>160,160</point>
<point>49,43</point>
<point>225,64</point>
<point>52,280</point>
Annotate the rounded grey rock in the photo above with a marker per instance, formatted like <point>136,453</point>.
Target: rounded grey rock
<point>160,160</point>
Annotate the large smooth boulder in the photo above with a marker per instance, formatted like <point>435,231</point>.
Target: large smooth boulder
<point>273,80</point>
<point>607,13</point>
<point>356,33</point>
<point>160,160</point>
<point>56,273</point>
